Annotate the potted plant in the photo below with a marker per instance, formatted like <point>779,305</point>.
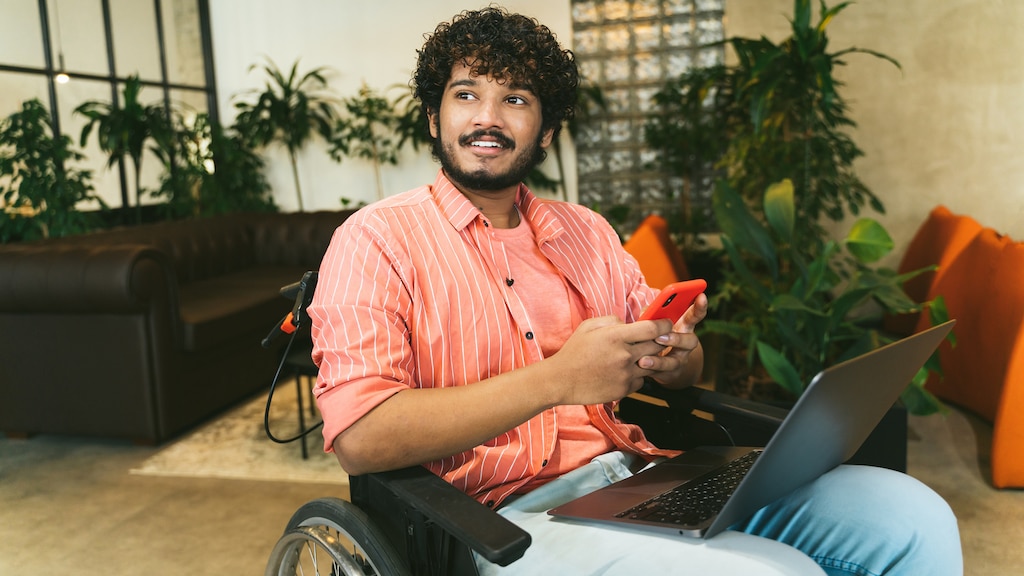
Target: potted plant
<point>776,113</point>
<point>123,129</point>
<point>793,316</point>
<point>40,189</point>
<point>289,110</point>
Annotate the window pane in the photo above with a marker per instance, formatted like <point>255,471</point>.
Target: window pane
<point>21,36</point>
<point>17,88</point>
<point>189,103</point>
<point>184,43</point>
<point>135,39</point>
<point>76,28</point>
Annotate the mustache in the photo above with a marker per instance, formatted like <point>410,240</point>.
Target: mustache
<point>498,137</point>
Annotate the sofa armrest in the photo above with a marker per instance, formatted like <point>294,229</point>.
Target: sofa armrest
<point>69,278</point>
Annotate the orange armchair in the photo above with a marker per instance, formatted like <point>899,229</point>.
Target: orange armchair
<point>939,240</point>
<point>983,286</point>
<point>660,259</point>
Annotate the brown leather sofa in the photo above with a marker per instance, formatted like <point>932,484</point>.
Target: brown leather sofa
<point>143,332</point>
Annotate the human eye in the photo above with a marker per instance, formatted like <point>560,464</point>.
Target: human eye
<point>464,95</point>
<point>517,100</point>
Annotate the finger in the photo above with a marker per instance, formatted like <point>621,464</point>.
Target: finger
<point>693,315</point>
<point>646,330</point>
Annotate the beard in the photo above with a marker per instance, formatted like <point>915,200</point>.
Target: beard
<point>483,178</point>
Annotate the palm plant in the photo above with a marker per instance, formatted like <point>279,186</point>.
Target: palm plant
<point>289,110</point>
<point>123,129</point>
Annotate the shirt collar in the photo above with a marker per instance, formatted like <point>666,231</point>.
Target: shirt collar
<point>460,211</point>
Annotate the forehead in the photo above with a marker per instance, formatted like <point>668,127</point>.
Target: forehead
<point>466,73</point>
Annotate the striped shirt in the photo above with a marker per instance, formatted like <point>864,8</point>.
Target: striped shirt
<point>413,292</point>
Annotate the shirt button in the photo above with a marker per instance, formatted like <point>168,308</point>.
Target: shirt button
<point>490,503</point>
<point>544,463</point>
<point>529,335</point>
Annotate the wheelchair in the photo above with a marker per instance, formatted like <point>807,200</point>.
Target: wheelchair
<point>412,522</point>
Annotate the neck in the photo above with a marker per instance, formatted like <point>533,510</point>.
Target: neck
<point>499,207</point>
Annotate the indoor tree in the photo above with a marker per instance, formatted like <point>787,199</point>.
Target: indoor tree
<point>289,109</point>
<point>367,129</point>
<point>40,188</point>
<point>791,298</point>
<point>123,129</point>
<point>776,113</point>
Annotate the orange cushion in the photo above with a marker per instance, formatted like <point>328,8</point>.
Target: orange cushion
<point>1008,433</point>
<point>939,240</point>
<point>983,291</point>
<point>657,254</point>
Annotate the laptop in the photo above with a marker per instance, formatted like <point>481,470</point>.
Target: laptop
<point>828,424</point>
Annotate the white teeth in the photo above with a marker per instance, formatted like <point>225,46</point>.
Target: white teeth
<point>487,144</point>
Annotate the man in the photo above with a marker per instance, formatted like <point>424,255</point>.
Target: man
<point>481,332</point>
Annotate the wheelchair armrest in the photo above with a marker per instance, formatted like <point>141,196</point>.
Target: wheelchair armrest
<point>696,398</point>
<point>721,404</point>
<point>475,525</point>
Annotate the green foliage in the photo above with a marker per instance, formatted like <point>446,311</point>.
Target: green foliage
<point>210,170</point>
<point>39,188</point>
<point>124,128</point>
<point>775,114</point>
<point>288,110</point>
<point>367,130</point>
<point>797,309</point>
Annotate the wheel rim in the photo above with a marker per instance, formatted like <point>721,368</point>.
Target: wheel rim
<point>319,547</point>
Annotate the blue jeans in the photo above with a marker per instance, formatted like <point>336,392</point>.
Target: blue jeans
<point>854,520</point>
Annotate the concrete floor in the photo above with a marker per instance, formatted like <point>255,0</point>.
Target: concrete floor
<point>70,506</point>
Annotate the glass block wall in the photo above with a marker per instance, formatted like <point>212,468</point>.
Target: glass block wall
<point>628,48</point>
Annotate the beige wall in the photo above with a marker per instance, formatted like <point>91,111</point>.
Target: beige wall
<point>947,130</point>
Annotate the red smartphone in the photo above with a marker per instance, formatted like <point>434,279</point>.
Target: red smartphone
<point>673,301</point>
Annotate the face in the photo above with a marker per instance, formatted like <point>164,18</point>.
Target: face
<point>487,134</point>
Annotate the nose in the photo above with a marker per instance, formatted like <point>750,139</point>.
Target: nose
<point>488,114</point>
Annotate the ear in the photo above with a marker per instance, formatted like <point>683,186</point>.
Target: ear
<point>547,138</point>
<point>432,120</point>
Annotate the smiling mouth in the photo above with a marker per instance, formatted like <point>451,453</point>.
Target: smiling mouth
<point>488,140</point>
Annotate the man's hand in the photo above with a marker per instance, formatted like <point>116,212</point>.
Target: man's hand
<point>606,359</point>
<point>681,363</point>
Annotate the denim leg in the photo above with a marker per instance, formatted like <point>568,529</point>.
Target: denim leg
<point>865,521</point>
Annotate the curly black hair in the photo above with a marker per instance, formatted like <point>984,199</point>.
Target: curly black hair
<point>510,48</point>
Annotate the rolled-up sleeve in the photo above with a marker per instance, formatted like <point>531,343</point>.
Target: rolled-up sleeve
<point>360,335</point>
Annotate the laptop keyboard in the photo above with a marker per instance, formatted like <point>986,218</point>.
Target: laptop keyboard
<point>694,502</point>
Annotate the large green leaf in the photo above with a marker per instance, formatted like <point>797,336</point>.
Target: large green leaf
<point>779,209</point>
<point>868,241</point>
<point>779,368</point>
<point>746,233</point>
<point>790,302</point>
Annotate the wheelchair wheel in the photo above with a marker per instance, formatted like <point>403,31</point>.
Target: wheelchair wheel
<point>333,537</point>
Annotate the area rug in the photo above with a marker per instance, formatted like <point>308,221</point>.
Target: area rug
<point>236,446</point>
